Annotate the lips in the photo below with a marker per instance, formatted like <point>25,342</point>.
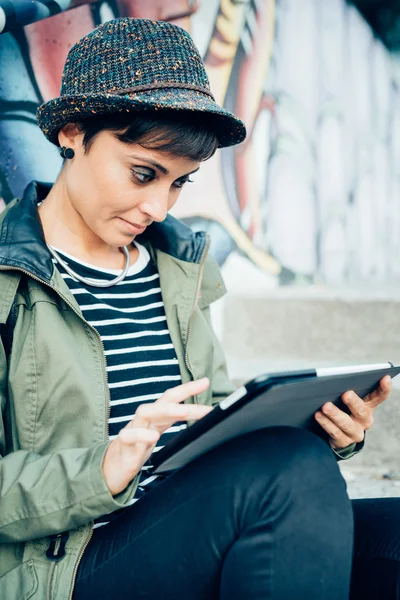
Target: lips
<point>132,227</point>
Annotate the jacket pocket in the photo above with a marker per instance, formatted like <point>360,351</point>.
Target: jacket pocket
<point>19,583</point>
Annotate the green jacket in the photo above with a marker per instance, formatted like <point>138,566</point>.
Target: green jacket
<point>55,400</point>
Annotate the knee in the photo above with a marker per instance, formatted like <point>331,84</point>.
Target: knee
<point>298,465</point>
<point>304,460</point>
<point>300,448</point>
<point>280,450</point>
<point>284,445</point>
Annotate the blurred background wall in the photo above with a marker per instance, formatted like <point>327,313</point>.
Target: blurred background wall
<point>312,196</point>
<point>305,215</point>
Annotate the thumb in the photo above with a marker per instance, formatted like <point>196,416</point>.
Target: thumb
<point>379,394</point>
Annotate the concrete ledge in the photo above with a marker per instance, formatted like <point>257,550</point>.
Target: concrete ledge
<point>312,328</point>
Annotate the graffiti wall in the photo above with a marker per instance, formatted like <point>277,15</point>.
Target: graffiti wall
<point>314,192</point>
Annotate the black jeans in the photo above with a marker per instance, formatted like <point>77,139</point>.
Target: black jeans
<point>376,568</point>
<point>265,516</point>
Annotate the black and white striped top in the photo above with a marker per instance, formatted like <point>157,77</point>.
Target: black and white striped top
<point>140,356</point>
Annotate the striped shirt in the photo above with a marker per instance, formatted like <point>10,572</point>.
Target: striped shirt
<point>141,360</point>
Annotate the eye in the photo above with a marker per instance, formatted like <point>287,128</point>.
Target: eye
<point>142,176</point>
<point>179,183</point>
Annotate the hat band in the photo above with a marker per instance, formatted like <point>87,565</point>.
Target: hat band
<point>161,85</point>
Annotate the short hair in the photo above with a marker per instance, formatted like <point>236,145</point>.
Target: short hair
<point>181,133</point>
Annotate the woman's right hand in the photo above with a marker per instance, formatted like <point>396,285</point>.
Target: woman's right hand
<point>128,452</point>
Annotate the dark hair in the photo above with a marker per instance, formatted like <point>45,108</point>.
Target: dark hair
<point>181,133</point>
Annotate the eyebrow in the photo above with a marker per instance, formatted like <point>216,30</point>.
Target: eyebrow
<point>158,166</point>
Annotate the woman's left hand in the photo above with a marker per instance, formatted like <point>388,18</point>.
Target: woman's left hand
<point>345,429</point>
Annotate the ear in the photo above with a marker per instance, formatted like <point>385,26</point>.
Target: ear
<point>70,136</point>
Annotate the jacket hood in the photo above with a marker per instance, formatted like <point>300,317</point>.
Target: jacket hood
<point>22,242</point>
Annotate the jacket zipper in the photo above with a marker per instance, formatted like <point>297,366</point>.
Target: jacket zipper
<point>199,281</point>
<point>85,545</point>
<point>55,552</point>
<point>58,542</point>
<point>51,577</point>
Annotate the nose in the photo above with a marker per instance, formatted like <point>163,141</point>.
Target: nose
<point>155,203</point>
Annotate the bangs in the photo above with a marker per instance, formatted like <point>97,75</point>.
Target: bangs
<point>179,133</point>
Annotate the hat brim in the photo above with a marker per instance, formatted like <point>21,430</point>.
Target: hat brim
<point>56,113</point>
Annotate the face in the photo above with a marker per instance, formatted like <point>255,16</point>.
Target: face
<point>116,190</point>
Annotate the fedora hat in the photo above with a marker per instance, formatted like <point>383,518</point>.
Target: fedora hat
<point>126,65</point>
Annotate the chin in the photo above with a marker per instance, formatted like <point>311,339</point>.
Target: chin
<point>116,237</point>
<point>124,240</point>
<point>118,241</point>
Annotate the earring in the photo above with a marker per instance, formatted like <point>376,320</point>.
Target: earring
<point>67,152</point>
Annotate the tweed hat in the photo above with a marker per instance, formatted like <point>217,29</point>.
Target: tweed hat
<point>126,65</point>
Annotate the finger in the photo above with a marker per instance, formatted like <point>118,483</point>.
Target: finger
<point>360,411</point>
<point>381,393</point>
<point>351,428</point>
<point>166,412</point>
<point>337,437</point>
<point>162,416</point>
<point>184,391</point>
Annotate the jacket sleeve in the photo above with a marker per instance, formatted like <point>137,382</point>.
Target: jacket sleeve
<point>349,451</point>
<point>45,495</point>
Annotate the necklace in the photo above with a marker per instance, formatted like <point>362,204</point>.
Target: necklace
<point>88,280</point>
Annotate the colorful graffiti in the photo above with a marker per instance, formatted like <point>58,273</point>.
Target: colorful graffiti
<point>314,192</point>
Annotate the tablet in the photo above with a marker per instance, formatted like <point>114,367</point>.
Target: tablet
<point>273,399</point>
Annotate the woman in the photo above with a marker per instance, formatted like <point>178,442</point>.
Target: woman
<point>108,351</point>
